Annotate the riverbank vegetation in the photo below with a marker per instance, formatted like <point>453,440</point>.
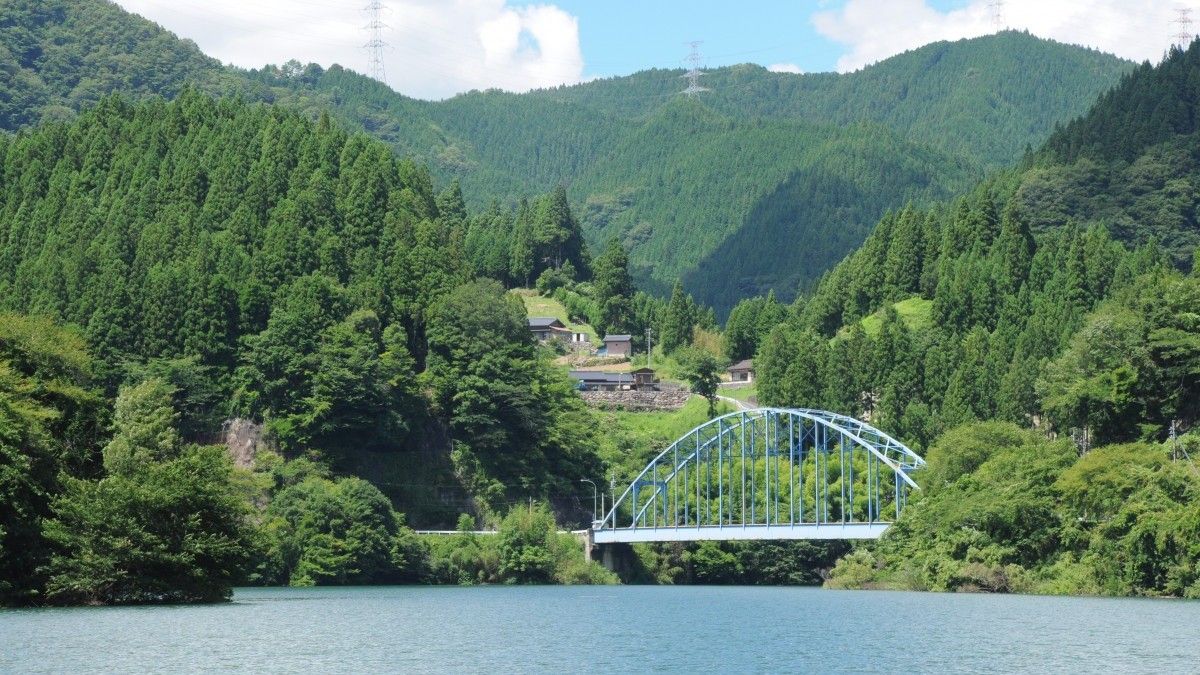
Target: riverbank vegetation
<point>1004,509</point>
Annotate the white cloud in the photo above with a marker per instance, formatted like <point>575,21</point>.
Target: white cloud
<point>785,68</point>
<point>437,48</point>
<point>876,29</point>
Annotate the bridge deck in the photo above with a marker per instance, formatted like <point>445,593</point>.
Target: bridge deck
<point>630,535</point>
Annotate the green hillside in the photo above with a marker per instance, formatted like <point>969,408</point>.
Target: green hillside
<point>986,98</point>
<point>59,56</point>
<point>770,183</point>
<point>1052,373</point>
<point>776,176</point>
<point>1131,165</point>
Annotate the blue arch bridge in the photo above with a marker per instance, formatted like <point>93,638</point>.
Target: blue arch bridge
<point>766,473</point>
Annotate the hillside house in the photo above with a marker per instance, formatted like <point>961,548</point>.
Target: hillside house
<point>742,371</point>
<point>594,380</point>
<point>618,345</point>
<point>547,327</point>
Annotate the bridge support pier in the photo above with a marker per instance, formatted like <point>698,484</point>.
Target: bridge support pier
<point>619,559</point>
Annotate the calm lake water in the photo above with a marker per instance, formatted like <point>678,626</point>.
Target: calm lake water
<point>630,628</point>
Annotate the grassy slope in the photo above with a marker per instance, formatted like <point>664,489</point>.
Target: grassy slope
<point>743,393</point>
<point>537,305</point>
<point>914,311</point>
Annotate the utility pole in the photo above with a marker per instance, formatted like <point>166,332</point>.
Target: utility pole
<point>375,44</point>
<point>693,74</point>
<point>648,347</point>
<point>1183,19</point>
<point>594,491</point>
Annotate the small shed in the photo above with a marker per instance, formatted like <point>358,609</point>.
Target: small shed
<point>546,327</point>
<point>643,378</point>
<point>742,371</point>
<point>618,345</point>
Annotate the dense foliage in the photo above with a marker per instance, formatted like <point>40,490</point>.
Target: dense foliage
<point>706,191</point>
<point>515,422</point>
<point>227,259</point>
<point>321,532</point>
<point>996,308</point>
<point>51,421</point>
<point>526,549</point>
<point>1004,509</point>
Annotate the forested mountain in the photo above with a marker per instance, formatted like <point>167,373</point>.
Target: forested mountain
<point>955,325</point>
<point>813,159</point>
<point>763,158</point>
<point>1010,272</point>
<point>167,265</point>
<point>986,98</point>
<point>1132,164</point>
<point>60,56</point>
<point>217,259</point>
<point>277,263</point>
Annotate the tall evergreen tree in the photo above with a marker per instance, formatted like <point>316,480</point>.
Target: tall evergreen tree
<point>614,288</point>
<point>677,324</point>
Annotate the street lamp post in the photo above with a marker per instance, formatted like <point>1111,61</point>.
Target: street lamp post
<point>594,493</point>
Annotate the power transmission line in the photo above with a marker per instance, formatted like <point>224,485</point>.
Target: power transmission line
<point>1183,19</point>
<point>375,44</point>
<point>996,10</point>
<point>693,74</point>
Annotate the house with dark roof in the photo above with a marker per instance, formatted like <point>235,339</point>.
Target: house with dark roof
<point>546,327</point>
<point>594,380</point>
<point>618,345</point>
<point>742,371</point>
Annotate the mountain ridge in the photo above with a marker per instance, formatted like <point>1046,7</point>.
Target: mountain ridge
<point>973,104</point>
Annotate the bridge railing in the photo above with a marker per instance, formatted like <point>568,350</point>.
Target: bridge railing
<point>770,467</point>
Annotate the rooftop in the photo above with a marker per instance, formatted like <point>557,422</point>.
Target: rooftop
<point>544,322</point>
<point>744,364</point>
<point>597,376</point>
<point>617,338</point>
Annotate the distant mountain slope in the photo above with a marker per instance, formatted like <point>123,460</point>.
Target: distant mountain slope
<point>767,190</point>
<point>1127,170</point>
<point>760,200</point>
<point>823,210</point>
<point>986,98</point>
<point>767,186</point>
<point>58,56</point>
<point>1132,163</point>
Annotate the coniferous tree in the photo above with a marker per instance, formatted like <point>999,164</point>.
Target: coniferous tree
<point>678,321</point>
<point>613,288</point>
<point>521,262</point>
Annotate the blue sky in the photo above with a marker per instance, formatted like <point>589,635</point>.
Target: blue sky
<point>618,37</point>
<point>438,48</point>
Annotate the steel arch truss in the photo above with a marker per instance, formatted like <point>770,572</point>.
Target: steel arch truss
<point>767,473</point>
